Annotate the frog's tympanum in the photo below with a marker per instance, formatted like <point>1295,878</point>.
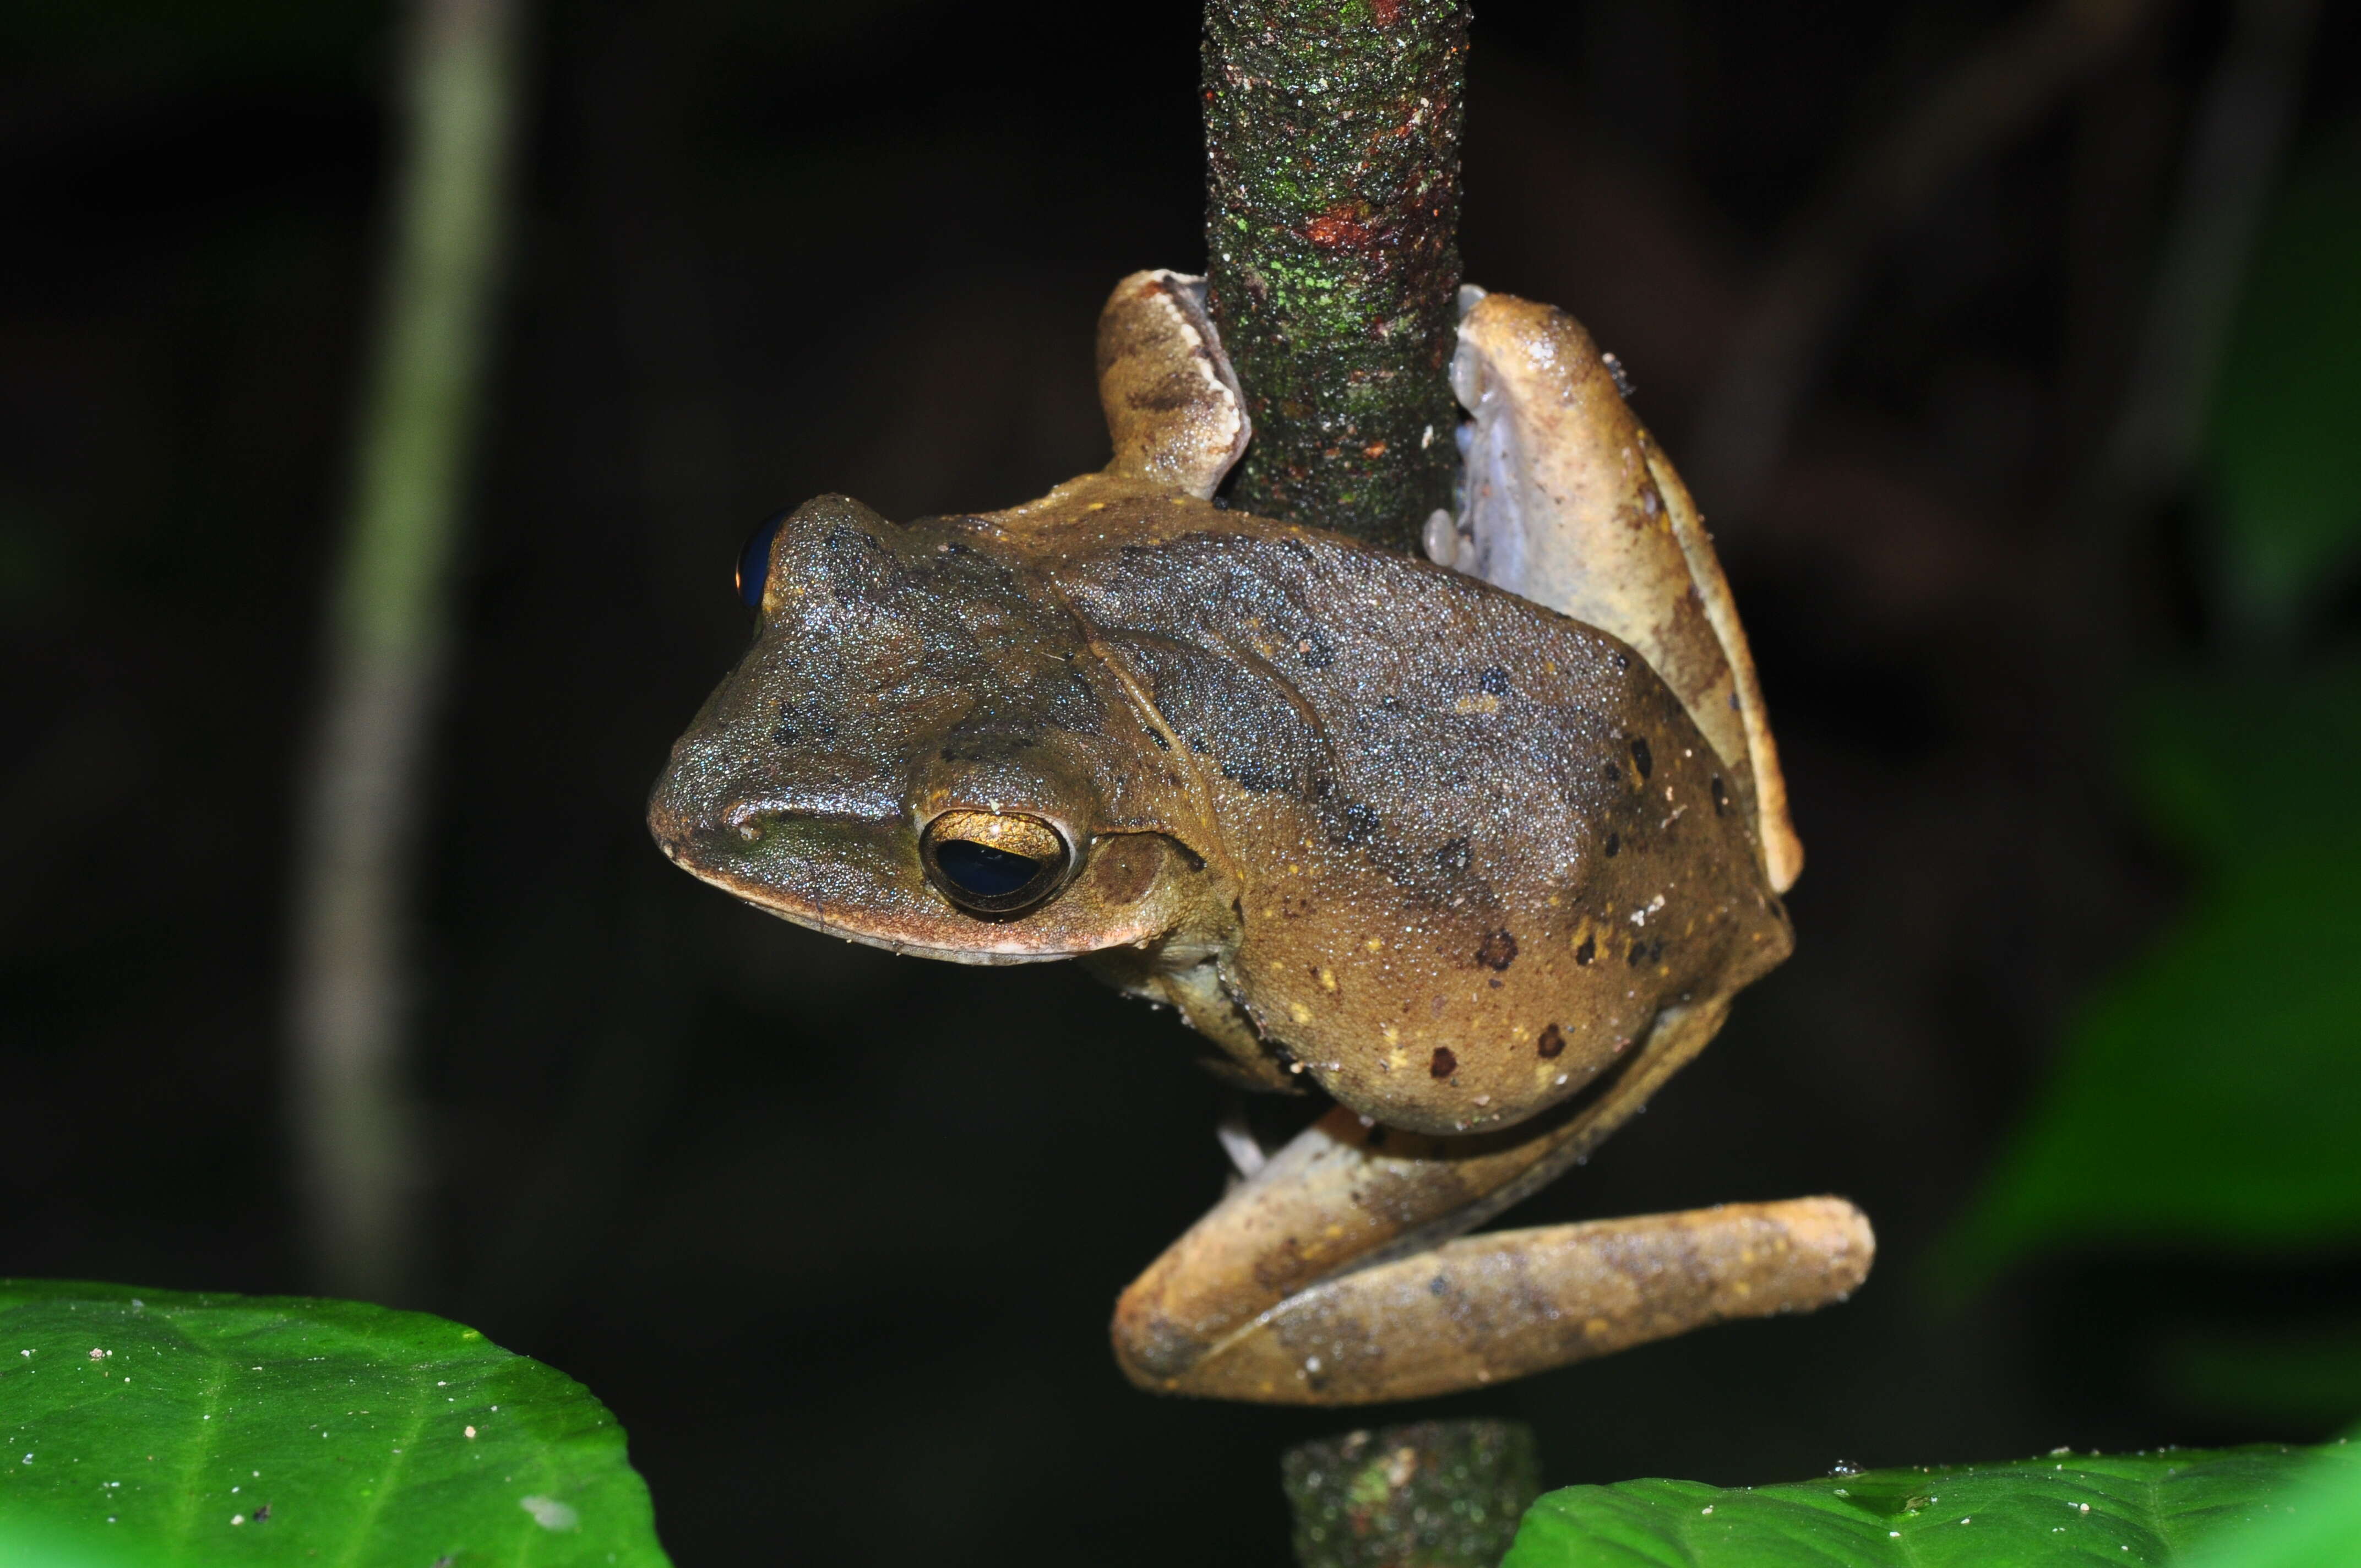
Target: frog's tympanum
<point>1480,846</point>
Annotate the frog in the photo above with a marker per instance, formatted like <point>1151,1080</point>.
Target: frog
<point>1476,848</point>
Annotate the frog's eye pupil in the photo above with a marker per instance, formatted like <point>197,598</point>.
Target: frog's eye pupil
<point>984,871</point>
<point>991,863</point>
<point>754,560</point>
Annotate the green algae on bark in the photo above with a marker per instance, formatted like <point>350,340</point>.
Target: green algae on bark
<point>1331,209</point>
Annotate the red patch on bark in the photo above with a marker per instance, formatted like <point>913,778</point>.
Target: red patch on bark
<point>1387,11</point>
<point>1338,228</point>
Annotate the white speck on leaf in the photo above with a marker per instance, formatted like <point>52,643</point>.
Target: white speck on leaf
<point>237,1518</point>
<point>549,1513</point>
<point>471,1431</point>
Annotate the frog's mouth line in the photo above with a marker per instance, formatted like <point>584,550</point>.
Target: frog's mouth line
<point>988,948</point>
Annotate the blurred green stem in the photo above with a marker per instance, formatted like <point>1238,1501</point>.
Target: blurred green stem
<point>1995,95</point>
<point>2230,171</point>
<point>358,1165</point>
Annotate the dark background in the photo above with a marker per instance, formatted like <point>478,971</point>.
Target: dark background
<point>836,1234</point>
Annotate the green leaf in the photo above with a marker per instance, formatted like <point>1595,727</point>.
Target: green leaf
<point>171,1428</point>
<point>2133,1508</point>
<point>2316,1522</point>
<point>2281,454</point>
<point>2204,1095</point>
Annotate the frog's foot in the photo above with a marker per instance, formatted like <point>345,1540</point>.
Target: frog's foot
<point>1569,502</point>
<point>1320,1279</point>
<point>1171,400</point>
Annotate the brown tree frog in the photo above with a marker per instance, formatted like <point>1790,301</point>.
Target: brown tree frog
<point>1479,846</point>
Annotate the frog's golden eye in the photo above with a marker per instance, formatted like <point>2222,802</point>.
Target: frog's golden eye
<point>992,862</point>
<point>754,560</point>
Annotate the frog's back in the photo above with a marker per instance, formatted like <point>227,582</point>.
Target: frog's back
<point>1478,844</point>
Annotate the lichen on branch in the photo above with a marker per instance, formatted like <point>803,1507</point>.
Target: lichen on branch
<point>1332,211</point>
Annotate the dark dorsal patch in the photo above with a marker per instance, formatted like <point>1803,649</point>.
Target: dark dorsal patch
<point>801,721</point>
<point>1552,1041</point>
<point>1642,758</point>
<point>1494,681</point>
<point>1498,951</point>
<point>1720,797</point>
<point>1445,1063</point>
<point>1585,953</point>
<point>1349,823</point>
<point>1614,845</point>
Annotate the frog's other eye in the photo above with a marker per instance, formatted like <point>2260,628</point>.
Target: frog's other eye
<point>754,559</point>
<point>992,863</point>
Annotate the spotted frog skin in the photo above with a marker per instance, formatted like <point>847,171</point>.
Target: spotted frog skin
<point>1480,846</point>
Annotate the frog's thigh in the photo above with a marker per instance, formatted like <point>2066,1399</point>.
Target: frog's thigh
<point>1488,1307</point>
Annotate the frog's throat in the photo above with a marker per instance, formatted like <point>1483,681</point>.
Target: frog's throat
<point>977,945</point>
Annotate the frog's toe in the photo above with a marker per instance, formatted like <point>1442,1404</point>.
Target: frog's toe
<point>1172,401</point>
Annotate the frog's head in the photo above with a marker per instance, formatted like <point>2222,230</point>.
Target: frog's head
<point>917,752</point>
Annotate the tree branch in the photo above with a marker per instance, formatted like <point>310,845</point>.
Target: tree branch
<point>1332,212</point>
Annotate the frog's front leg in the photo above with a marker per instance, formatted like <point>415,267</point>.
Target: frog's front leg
<point>1330,1276</point>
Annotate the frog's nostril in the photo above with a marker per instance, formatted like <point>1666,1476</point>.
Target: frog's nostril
<point>749,819</point>
<point>992,863</point>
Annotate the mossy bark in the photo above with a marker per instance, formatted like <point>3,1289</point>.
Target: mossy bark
<point>1332,183</point>
<point>1430,1495</point>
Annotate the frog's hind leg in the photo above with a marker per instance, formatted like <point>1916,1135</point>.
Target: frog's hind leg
<point>1570,502</point>
<point>1320,1280</point>
<point>1485,1309</point>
